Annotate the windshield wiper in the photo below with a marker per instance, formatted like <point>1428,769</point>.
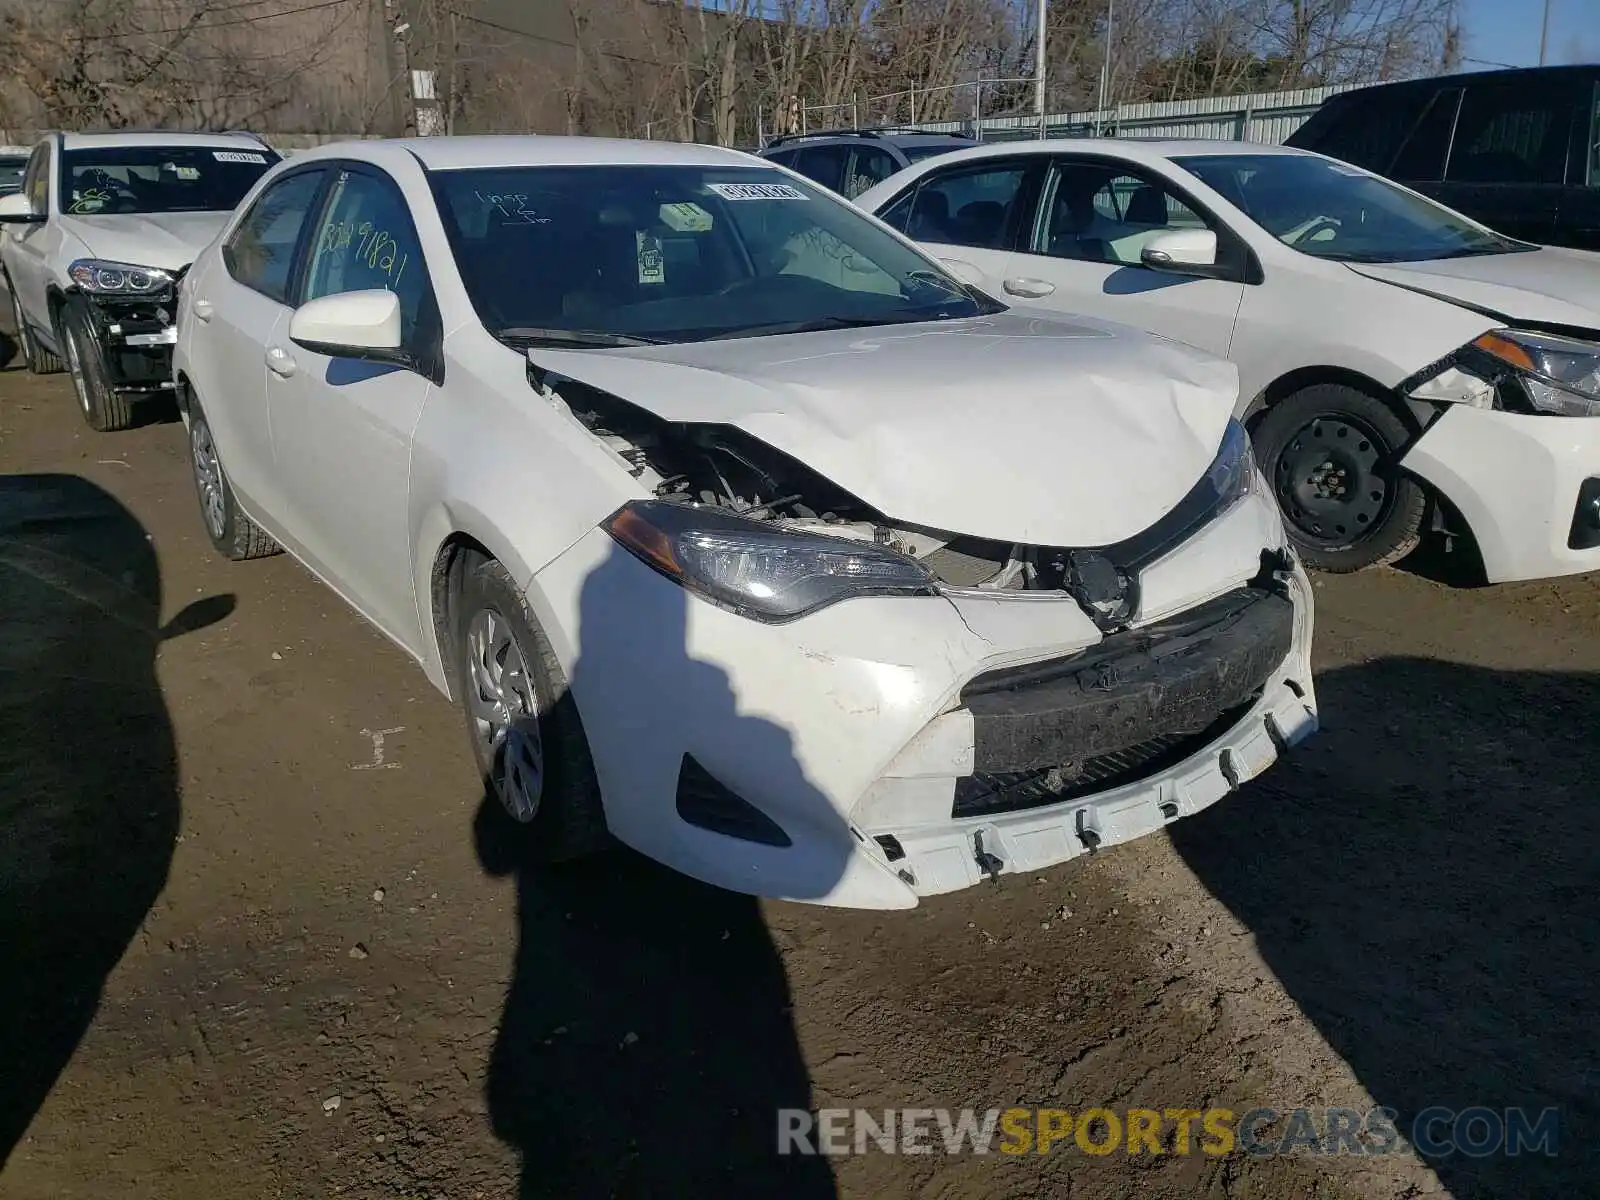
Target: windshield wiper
<point>530,336</point>
<point>812,325</point>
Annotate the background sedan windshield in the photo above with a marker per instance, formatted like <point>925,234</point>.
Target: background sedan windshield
<point>679,253</point>
<point>159,179</point>
<point>1330,210</point>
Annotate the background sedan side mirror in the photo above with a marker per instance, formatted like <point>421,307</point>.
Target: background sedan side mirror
<point>1181,251</point>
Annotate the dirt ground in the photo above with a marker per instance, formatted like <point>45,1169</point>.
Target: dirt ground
<point>258,938</point>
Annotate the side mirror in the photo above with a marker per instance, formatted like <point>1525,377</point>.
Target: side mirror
<point>15,210</point>
<point>349,325</point>
<point>963,271</point>
<point>1181,251</point>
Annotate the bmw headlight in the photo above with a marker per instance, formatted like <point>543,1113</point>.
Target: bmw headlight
<point>102,277</point>
<point>1519,370</point>
<point>758,569</point>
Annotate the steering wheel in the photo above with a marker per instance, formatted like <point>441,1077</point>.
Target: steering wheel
<point>1316,227</point>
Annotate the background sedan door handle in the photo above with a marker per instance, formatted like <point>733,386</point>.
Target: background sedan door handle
<point>280,361</point>
<point>202,310</point>
<point>1031,288</point>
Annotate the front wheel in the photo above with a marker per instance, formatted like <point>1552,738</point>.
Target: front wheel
<point>105,408</point>
<point>526,736</point>
<point>233,534</point>
<point>1331,454</point>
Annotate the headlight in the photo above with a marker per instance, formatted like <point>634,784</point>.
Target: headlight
<point>1232,474</point>
<point>757,569</point>
<point>101,277</point>
<point>1519,369</point>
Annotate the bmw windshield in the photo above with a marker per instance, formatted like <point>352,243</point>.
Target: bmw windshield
<point>159,179</point>
<point>626,255</point>
<point>1330,210</point>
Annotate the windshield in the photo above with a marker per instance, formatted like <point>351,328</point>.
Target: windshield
<point>608,255</point>
<point>1331,210</point>
<point>159,179</point>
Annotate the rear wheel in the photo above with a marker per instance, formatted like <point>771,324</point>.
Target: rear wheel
<point>38,360</point>
<point>526,736</point>
<point>105,408</point>
<point>232,533</point>
<point>1331,454</point>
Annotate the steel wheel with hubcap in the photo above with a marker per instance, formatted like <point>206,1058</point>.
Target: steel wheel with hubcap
<point>505,714</point>
<point>208,478</point>
<point>233,534</point>
<point>527,737</point>
<point>1330,453</point>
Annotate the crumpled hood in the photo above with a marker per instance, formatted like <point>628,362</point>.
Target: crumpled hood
<point>165,240</point>
<point>1012,427</point>
<point>1550,285</point>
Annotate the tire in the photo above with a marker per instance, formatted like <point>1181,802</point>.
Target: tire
<point>233,535</point>
<point>536,764</point>
<point>105,408</point>
<point>38,360</point>
<point>1330,453</point>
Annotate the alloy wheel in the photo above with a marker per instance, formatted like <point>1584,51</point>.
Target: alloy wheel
<point>207,476</point>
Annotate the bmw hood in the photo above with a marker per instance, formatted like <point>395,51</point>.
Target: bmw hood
<point>1550,286</point>
<point>164,240</point>
<point>1010,427</point>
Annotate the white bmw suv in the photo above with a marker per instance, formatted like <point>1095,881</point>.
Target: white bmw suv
<point>94,241</point>
<point>738,527</point>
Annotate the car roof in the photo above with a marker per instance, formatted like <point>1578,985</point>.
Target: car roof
<point>530,150</point>
<point>113,138</point>
<point>1458,78</point>
<point>1140,150</point>
<point>891,137</point>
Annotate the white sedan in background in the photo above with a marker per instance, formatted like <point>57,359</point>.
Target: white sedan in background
<point>1402,367</point>
<point>737,527</point>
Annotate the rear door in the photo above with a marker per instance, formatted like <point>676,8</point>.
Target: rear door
<point>1578,215</point>
<point>974,212</point>
<point>1508,160</point>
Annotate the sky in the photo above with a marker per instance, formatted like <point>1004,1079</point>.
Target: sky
<point>1506,32</point>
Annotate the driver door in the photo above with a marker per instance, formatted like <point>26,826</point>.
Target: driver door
<point>342,427</point>
<point>1095,217</point>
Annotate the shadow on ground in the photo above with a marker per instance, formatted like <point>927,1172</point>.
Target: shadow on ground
<point>88,785</point>
<point>1424,880</point>
<point>647,1041</point>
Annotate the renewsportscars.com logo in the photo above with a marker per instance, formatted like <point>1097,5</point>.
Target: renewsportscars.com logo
<point>1437,1132</point>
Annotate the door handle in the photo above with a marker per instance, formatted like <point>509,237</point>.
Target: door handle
<point>1032,288</point>
<point>280,361</point>
<point>202,310</point>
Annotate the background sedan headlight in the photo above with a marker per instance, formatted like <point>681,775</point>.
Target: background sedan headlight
<point>102,277</point>
<point>1559,375</point>
<point>759,569</point>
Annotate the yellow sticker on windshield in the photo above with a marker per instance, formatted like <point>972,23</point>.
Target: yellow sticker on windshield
<point>685,217</point>
<point>652,264</point>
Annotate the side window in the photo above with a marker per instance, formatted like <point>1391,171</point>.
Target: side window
<point>36,180</point>
<point>967,206</point>
<point>366,241</point>
<point>899,213</point>
<point>784,158</point>
<point>1103,214</point>
<point>1367,130</point>
<point>1512,133</point>
<point>871,166</point>
<point>260,251</point>
<point>1422,157</point>
<point>1594,139</point>
<point>825,164</point>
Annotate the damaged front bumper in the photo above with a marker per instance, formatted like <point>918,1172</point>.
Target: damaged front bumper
<point>886,749</point>
<point>135,338</point>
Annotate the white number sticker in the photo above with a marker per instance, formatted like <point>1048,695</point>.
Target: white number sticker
<point>756,191</point>
<point>239,156</point>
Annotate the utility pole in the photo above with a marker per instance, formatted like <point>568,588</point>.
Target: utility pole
<point>1544,32</point>
<point>1038,69</point>
<point>1105,66</point>
<point>402,112</point>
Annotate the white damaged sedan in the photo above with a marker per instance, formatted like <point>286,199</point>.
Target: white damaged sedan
<point>739,529</point>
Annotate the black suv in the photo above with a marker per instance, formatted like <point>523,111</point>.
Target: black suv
<point>849,161</point>
<point>1517,150</point>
